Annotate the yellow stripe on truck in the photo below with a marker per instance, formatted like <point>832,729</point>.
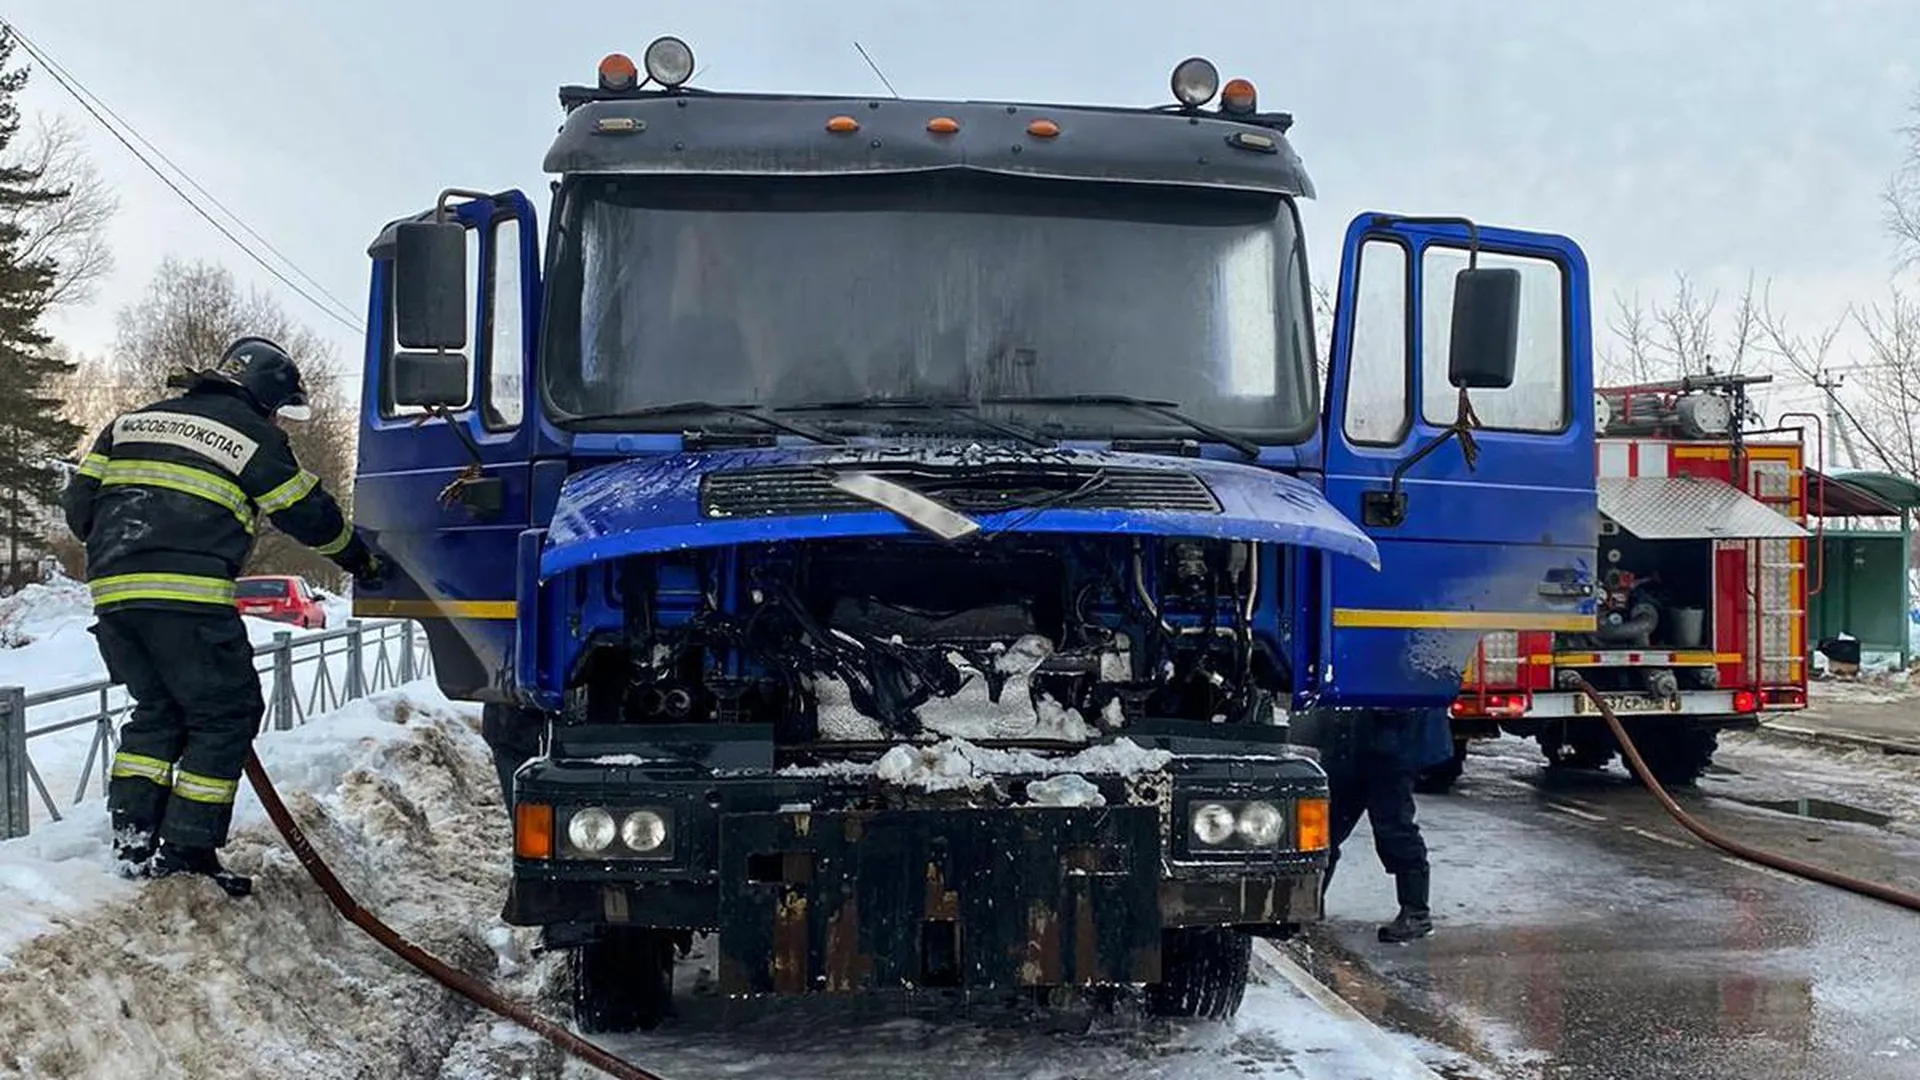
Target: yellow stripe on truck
<point>375,607</point>
<point>1391,619</point>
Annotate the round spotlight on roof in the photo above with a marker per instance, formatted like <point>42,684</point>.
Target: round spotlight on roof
<point>1195,81</point>
<point>669,62</point>
<point>618,73</point>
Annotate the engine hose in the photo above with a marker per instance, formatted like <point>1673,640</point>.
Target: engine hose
<point>453,979</point>
<point>1873,889</point>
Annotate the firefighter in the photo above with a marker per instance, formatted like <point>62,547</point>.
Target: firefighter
<point>167,502</point>
<point>1371,759</point>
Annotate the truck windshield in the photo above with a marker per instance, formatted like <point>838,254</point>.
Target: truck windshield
<point>773,292</point>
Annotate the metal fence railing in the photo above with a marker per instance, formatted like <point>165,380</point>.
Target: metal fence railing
<point>301,677</point>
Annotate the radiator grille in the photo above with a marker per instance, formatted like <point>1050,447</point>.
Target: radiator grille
<point>787,492</point>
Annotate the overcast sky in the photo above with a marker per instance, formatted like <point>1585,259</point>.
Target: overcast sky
<point>1710,136</point>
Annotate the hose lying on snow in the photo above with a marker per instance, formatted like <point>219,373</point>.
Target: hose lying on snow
<point>1887,893</point>
<point>453,979</point>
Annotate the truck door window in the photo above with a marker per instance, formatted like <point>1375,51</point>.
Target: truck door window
<point>1537,400</point>
<point>505,357</point>
<point>1377,373</point>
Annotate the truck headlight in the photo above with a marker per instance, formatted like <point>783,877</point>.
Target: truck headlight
<point>1213,824</point>
<point>590,830</point>
<point>1229,826</point>
<point>644,832</point>
<point>1261,824</point>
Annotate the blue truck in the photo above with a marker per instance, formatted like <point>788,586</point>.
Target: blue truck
<point>902,538</point>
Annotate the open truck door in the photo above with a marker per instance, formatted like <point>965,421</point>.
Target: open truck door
<point>1459,434</point>
<point>457,359</point>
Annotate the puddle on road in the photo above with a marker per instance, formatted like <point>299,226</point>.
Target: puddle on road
<point>1821,810</point>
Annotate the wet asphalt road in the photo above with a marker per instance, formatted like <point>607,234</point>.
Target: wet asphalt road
<point>1583,934</point>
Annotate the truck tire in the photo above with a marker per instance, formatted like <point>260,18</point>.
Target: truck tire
<point>622,982</point>
<point>1676,754</point>
<point>513,735</point>
<point>1203,973</point>
<point>1439,779</point>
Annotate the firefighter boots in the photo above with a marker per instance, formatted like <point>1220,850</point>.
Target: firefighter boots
<point>174,859</point>
<point>133,847</point>
<point>1414,920</point>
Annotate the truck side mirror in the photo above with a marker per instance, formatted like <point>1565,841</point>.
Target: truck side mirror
<point>430,285</point>
<point>1486,329</point>
<point>429,379</point>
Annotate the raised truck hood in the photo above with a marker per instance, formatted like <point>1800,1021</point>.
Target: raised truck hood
<point>725,497</point>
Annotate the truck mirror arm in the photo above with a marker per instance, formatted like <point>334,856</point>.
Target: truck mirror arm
<point>1387,509</point>
<point>481,494</point>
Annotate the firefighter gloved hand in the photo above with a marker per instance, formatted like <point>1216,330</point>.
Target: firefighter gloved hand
<point>371,573</point>
<point>369,570</point>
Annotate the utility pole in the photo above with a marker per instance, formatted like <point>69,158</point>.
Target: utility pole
<point>1838,434</point>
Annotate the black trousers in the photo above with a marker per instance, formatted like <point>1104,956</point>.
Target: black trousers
<point>197,706</point>
<point>1382,789</point>
<point>1362,779</point>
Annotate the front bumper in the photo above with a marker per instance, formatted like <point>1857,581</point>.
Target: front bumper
<point>817,883</point>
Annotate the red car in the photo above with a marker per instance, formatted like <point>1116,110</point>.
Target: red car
<point>281,598</point>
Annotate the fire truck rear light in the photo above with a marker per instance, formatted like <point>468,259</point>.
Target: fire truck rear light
<point>1785,695</point>
<point>841,125</point>
<point>943,125</point>
<point>617,72</point>
<point>1043,129</point>
<point>1745,701</point>
<point>1499,705</point>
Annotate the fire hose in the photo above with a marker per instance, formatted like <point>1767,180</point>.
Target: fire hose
<point>433,967</point>
<point>1873,889</point>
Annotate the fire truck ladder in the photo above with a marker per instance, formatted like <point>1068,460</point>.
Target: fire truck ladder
<point>1773,566</point>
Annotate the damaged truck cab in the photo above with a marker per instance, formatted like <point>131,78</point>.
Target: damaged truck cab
<point>899,536</point>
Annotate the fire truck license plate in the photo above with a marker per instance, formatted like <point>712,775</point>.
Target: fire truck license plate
<point>1625,703</point>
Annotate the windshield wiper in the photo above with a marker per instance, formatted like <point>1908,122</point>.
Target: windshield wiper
<point>744,412</point>
<point>1167,409</point>
<point>963,410</point>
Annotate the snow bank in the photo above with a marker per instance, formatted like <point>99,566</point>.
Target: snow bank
<point>172,978</point>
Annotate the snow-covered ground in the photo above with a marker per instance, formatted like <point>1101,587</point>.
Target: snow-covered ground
<point>102,977</point>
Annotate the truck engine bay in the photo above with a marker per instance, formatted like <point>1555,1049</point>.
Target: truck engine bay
<point>1045,639</point>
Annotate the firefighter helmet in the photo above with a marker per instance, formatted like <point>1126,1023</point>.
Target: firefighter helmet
<point>265,370</point>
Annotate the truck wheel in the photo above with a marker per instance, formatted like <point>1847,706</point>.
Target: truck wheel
<point>1203,973</point>
<point>1439,779</point>
<point>622,982</point>
<point>1676,754</point>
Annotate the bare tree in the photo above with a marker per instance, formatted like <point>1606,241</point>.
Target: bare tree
<point>1686,334</point>
<point>1901,199</point>
<point>188,316</point>
<point>1878,415</point>
<point>70,233</point>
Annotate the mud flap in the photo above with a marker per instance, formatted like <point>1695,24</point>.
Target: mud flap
<point>960,898</point>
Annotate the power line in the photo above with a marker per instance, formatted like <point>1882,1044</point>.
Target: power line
<point>884,81</point>
<point>80,95</point>
<point>53,66</point>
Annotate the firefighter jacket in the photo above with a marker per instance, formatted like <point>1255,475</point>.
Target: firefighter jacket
<point>169,498</point>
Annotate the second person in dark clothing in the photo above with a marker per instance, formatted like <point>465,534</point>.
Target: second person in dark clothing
<point>167,502</point>
<point>1371,757</point>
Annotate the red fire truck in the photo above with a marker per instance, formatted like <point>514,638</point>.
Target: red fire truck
<point>1702,584</point>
